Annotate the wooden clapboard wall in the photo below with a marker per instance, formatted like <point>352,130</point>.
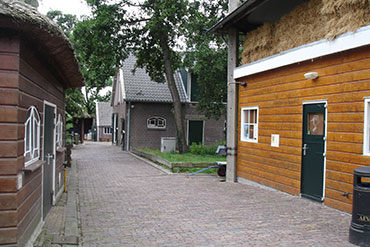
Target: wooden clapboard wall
<point>26,79</point>
<point>344,80</point>
<point>11,139</point>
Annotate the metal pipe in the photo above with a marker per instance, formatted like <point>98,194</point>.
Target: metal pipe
<point>128,126</point>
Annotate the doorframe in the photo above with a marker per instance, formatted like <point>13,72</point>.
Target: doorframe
<point>204,124</point>
<point>54,149</point>
<point>311,102</point>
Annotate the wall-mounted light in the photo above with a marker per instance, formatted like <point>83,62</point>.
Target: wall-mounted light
<point>311,75</point>
<point>242,83</point>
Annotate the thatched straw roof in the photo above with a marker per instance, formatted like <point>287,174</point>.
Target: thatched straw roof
<point>45,34</point>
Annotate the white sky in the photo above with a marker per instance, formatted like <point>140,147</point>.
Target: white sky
<point>74,7</point>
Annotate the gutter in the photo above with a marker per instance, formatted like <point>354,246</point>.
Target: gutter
<point>232,16</point>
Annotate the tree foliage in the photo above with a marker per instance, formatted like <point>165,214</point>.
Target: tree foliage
<point>33,3</point>
<point>206,57</point>
<point>98,50</point>
<point>154,30</point>
<point>66,22</point>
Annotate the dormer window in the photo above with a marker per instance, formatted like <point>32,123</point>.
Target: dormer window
<point>32,136</point>
<point>156,123</point>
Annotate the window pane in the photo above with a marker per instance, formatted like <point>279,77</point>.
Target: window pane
<point>315,124</point>
<point>26,135</point>
<point>27,157</point>
<point>32,134</point>
<point>246,131</point>
<point>251,131</point>
<point>253,116</point>
<point>246,116</point>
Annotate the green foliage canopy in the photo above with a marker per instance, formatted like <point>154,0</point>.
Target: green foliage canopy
<point>154,30</point>
<point>98,50</point>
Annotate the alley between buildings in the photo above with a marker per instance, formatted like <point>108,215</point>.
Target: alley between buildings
<point>124,201</point>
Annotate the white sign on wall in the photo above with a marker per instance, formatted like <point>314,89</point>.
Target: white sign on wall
<point>274,140</point>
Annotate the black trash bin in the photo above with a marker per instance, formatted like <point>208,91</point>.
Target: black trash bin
<point>359,232</point>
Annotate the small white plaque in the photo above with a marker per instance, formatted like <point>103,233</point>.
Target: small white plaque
<point>19,181</point>
<point>274,140</point>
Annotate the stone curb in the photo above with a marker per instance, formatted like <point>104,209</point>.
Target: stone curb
<point>71,230</point>
<point>151,163</point>
<point>67,231</point>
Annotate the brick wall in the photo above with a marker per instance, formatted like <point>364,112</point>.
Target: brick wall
<point>141,136</point>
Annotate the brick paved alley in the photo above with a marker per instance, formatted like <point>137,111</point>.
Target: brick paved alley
<point>126,202</point>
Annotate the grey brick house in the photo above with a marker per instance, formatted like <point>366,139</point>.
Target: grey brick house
<point>103,121</point>
<point>142,112</point>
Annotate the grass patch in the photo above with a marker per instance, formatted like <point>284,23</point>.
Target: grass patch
<point>191,170</point>
<point>188,157</point>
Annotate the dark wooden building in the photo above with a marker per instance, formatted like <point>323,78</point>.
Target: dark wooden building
<point>37,64</point>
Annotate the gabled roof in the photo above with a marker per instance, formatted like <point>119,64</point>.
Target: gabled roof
<point>140,88</point>
<point>103,114</point>
<point>26,21</point>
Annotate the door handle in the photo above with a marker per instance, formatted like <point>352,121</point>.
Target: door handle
<point>49,156</point>
<point>304,148</point>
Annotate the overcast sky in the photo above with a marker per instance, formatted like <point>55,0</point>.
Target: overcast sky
<point>74,7</point>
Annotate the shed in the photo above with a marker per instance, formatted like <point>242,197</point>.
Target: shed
<point>103,121</point>
<point>37,64</point>
<point>303,116</point>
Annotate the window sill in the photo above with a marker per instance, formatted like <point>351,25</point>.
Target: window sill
<point>61,149</point>
<point>34,166</point>
<point>249,140</point>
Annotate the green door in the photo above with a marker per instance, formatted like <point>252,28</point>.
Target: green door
<point>123,133</point>
<point>313,151</point>
<point>49,156</point>
<point>112,128</point>
<point>195,134</point>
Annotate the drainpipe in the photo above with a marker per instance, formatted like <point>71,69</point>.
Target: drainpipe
<point>97,122</point>
<point>232,100</point>
<point>128,127</point>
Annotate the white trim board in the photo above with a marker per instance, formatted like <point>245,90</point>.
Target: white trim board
<point>344,42</point>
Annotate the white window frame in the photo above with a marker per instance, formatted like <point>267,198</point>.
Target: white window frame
<point>366,141</point>
<point>32,136</point>
<point>59,131</point>
<point>156,125</point>
<point>242,124</point>
<point>109,132</point>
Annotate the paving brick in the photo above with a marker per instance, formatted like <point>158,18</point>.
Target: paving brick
<point>126,202</point>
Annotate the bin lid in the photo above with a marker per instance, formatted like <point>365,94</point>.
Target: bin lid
<point>363,171</point>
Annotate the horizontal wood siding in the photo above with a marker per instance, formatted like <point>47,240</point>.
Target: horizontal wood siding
<point>11,139</point>
<point>37,83</point>
<point>344,81</point>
